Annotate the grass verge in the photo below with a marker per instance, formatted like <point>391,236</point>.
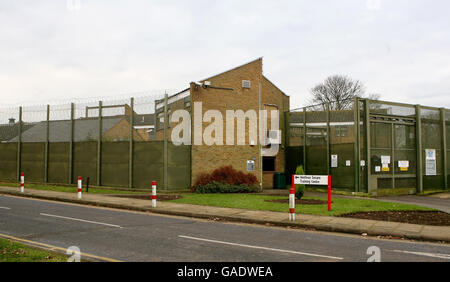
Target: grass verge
<point>16,252</point>
<point>258,202</point>
<point>70,189</point>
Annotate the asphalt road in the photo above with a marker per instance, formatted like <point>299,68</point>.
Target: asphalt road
<point>132,236</point>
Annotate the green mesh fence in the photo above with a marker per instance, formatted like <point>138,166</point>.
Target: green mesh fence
<point>447,129</point>
<point>342,145</point>
<point>432,140</point>
<point>392,160</point>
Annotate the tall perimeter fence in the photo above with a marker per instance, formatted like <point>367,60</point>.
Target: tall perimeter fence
<point>111,142</point>
<point>372,146</point>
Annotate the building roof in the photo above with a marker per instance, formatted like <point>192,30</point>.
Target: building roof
<point>260,58</point>
<point>9,131</point>
<point>59,131</point>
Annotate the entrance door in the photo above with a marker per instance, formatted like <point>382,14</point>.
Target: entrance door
<point>393,155</point>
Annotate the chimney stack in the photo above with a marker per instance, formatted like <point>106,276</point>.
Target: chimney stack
<point>12,121</point>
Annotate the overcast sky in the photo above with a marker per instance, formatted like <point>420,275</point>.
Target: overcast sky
<point>61,50</point>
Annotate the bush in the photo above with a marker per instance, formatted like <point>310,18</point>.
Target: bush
<point>218,187</point>
<point>299,188</point>
<point>226,174</point>
<point>225,180</point>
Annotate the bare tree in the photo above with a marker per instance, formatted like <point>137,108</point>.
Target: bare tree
<point>338,89</point>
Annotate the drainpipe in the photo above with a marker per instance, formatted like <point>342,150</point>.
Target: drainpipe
<point>259,141</point>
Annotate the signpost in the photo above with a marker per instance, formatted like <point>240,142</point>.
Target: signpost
<point>318,180</point>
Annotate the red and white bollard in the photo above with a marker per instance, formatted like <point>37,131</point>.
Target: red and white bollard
<point>80,183</point>
<point>22,183</point>
<point>292,201</point>
<point>329,192</point>
<point>154,194</point>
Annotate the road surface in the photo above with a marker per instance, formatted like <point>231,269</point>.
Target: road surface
<point>110,234</point>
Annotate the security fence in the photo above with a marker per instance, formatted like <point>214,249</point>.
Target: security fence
<point>372,146</point>
<point>111,142</point>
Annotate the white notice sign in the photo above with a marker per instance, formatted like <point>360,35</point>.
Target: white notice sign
<point>403,164</point>
<point>311,179</point>
<point>334,160</point>
<point>385,159</point>
<point>430,162</point>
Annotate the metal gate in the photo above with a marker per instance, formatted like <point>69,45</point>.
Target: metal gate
<point>393,152</point>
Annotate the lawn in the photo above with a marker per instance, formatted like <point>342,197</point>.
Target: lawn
<point>16,252</point>
<point>73,189</point>
<point>257,202</point>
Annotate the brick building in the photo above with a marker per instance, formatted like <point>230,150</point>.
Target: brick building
<point>242,88</point>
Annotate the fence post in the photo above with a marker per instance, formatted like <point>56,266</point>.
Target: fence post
<point>444,149</point>
<point>367,131</point>
<point>72,110</point>
<point>304,139</point>
<point>166,123</point>
<point>99,144</point>
<point>19,145</point>
<point>419,149</point>
<point>357,159</point>
<point>130,172</point>
<point>47,137</point>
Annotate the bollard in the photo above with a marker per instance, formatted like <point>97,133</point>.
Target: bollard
<point>292,201</point>
<point>329,192</point>
<point>22,183</point>
<point>80,183</point>
<point>154,194</point>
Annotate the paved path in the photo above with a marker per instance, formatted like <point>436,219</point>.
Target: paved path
<point>442,204</point>
<point>134,236</point>
<point>323,223</point>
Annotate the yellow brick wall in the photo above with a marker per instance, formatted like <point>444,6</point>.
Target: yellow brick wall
<point>121,131</point>
<point>207,158</point>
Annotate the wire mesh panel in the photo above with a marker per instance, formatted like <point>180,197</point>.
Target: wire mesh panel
<point>432,149</point>
<point>179,160</point>
<point>342,145</point>
<point>148,163</point>
<point>145,119</point>
<point>60,127</point>
<point>381,154</point>
<point>362,147</point>
<point>34,137</point>
<point>296,130</point>
<point>316,140</point>
<point>447,130</point>
<point>9,129</point>
<point>391,109</point>
<point>294,152</point>
<point>404,163</point>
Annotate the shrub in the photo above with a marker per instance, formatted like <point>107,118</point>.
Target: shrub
<point>299,188</point>
<point>226,174</point>
<point>218,187</point>
<point>225,180</point>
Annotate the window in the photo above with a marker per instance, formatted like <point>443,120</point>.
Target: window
<point>160,121</point>
<point>341,131</point>
<point>268,163</point>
